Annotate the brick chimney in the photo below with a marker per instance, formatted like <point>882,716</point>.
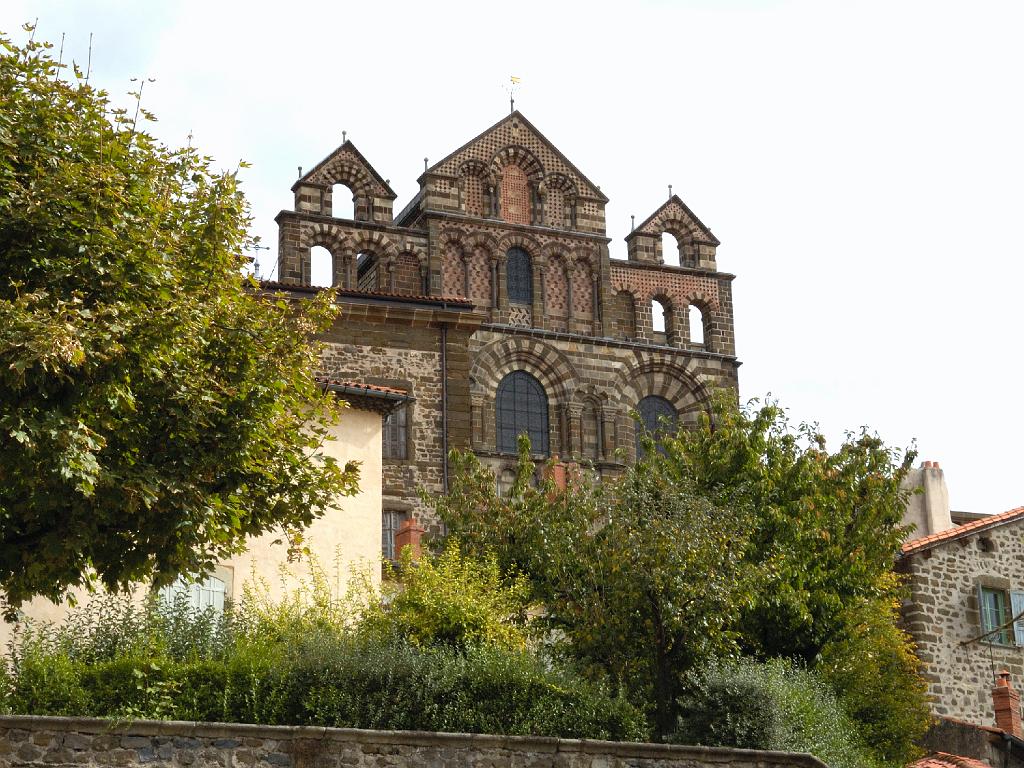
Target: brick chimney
<point>409,535</point>
<point>1007,704</point>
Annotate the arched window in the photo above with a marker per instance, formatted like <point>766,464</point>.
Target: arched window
<point>657,416</point>
<point>342,202</point>
<point>696,319</point>
<point>520,276</point>
<point>670,253</point>
<point>522,407</point>
<point>321,267</point>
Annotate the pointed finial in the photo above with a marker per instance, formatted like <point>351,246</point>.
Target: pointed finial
<point>670,190</point>
<point>632,222</point>
<point>300,171</point>
<point>344,136</point>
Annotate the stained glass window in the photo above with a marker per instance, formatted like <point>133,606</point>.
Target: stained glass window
<point>657,416</point>
<point>520,276</point>
<point>522,407</point>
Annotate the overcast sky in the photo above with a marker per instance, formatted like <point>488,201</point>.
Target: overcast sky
<point>861,162</point>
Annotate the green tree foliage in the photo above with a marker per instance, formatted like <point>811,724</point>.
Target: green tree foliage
<point>827,526</point>
<point>641,579</point>
<point>825,533</point>
<point>449,600</point>
<point>154,408</point>
<point>770,705</point>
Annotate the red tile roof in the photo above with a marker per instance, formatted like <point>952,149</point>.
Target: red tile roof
<point>946,760</point>
<point>927,542</point>
<point>370,389</point>
<point>274,285</point>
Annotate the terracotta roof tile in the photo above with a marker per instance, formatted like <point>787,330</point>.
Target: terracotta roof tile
<point>368,388</point>
<point>926,542</point>
<point>946,760</point>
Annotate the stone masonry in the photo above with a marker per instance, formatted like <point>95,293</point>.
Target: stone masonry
<point>86,742</point>
<point>945,572</point>
<point>426,305</point>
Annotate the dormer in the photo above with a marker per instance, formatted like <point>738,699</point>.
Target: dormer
<point>342,176</point>
<point>693,242</point>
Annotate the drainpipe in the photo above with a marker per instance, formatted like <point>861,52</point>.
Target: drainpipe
<point>444,407</point>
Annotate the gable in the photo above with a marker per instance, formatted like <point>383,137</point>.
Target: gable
<point>675,217</point>
<point>514,140</point>
<point>346,165</point>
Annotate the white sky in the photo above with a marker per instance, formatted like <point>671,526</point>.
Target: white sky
<point>862,163</point>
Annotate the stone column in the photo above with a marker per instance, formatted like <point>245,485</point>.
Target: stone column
<point>477,419</point>
<point>607,417</point>
<point>575,429</point>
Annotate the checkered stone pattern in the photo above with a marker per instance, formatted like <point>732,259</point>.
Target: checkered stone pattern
<point>520,316</point>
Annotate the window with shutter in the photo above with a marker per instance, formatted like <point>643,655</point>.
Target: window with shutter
<point>395,439</point>
<point>995,615</point>
<point>522,407</point>
<point>1017,606</point>
<point>391,522</point>
<point>197,595</point>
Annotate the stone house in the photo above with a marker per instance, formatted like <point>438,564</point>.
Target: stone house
<point>491,298</point>
<point>965,574</point>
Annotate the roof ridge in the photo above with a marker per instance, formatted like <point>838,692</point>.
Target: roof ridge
<point>951,534</point>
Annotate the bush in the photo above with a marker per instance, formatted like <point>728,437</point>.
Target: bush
<point>281,667</point>
<point>449,599</point>
<point>770,705</point>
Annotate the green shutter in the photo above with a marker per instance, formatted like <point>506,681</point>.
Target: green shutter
<point>1017,606</point>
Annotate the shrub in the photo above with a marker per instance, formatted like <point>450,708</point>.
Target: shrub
<point>449,599</point>
<point>284,667</point>
<point>770,705</point>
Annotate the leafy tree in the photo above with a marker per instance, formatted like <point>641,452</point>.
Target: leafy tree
<point>155,409</point>
<point>827,526</point>
<point>825,532</point>
<point>641,579</point>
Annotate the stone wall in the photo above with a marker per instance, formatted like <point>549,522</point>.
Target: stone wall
<point>74,742</point>
<point>942,613</point>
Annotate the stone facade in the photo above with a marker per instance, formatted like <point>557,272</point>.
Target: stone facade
<point>82,743</point>
<point>433,304</point>
<point>945,572</point>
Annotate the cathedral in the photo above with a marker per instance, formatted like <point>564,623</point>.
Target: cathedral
<point>491,304</point>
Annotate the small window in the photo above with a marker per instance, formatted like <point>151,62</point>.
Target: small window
<point>670,254</point>
<point>522,407</point>
<point>391,523</point>
<point>396,434</point>
<point>321,267</point>
<point>200,596</point>
<point>995,614</point>
<point>657,416</point>
<point>520,276</point>
<point>696,318</point>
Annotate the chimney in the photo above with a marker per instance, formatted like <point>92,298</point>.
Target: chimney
<point>409,535</point>
<point>1007,705</point>
<point>928,509</point>
<point>561,473</point>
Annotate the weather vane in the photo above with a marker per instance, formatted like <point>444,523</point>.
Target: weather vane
<point>513,84</point>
